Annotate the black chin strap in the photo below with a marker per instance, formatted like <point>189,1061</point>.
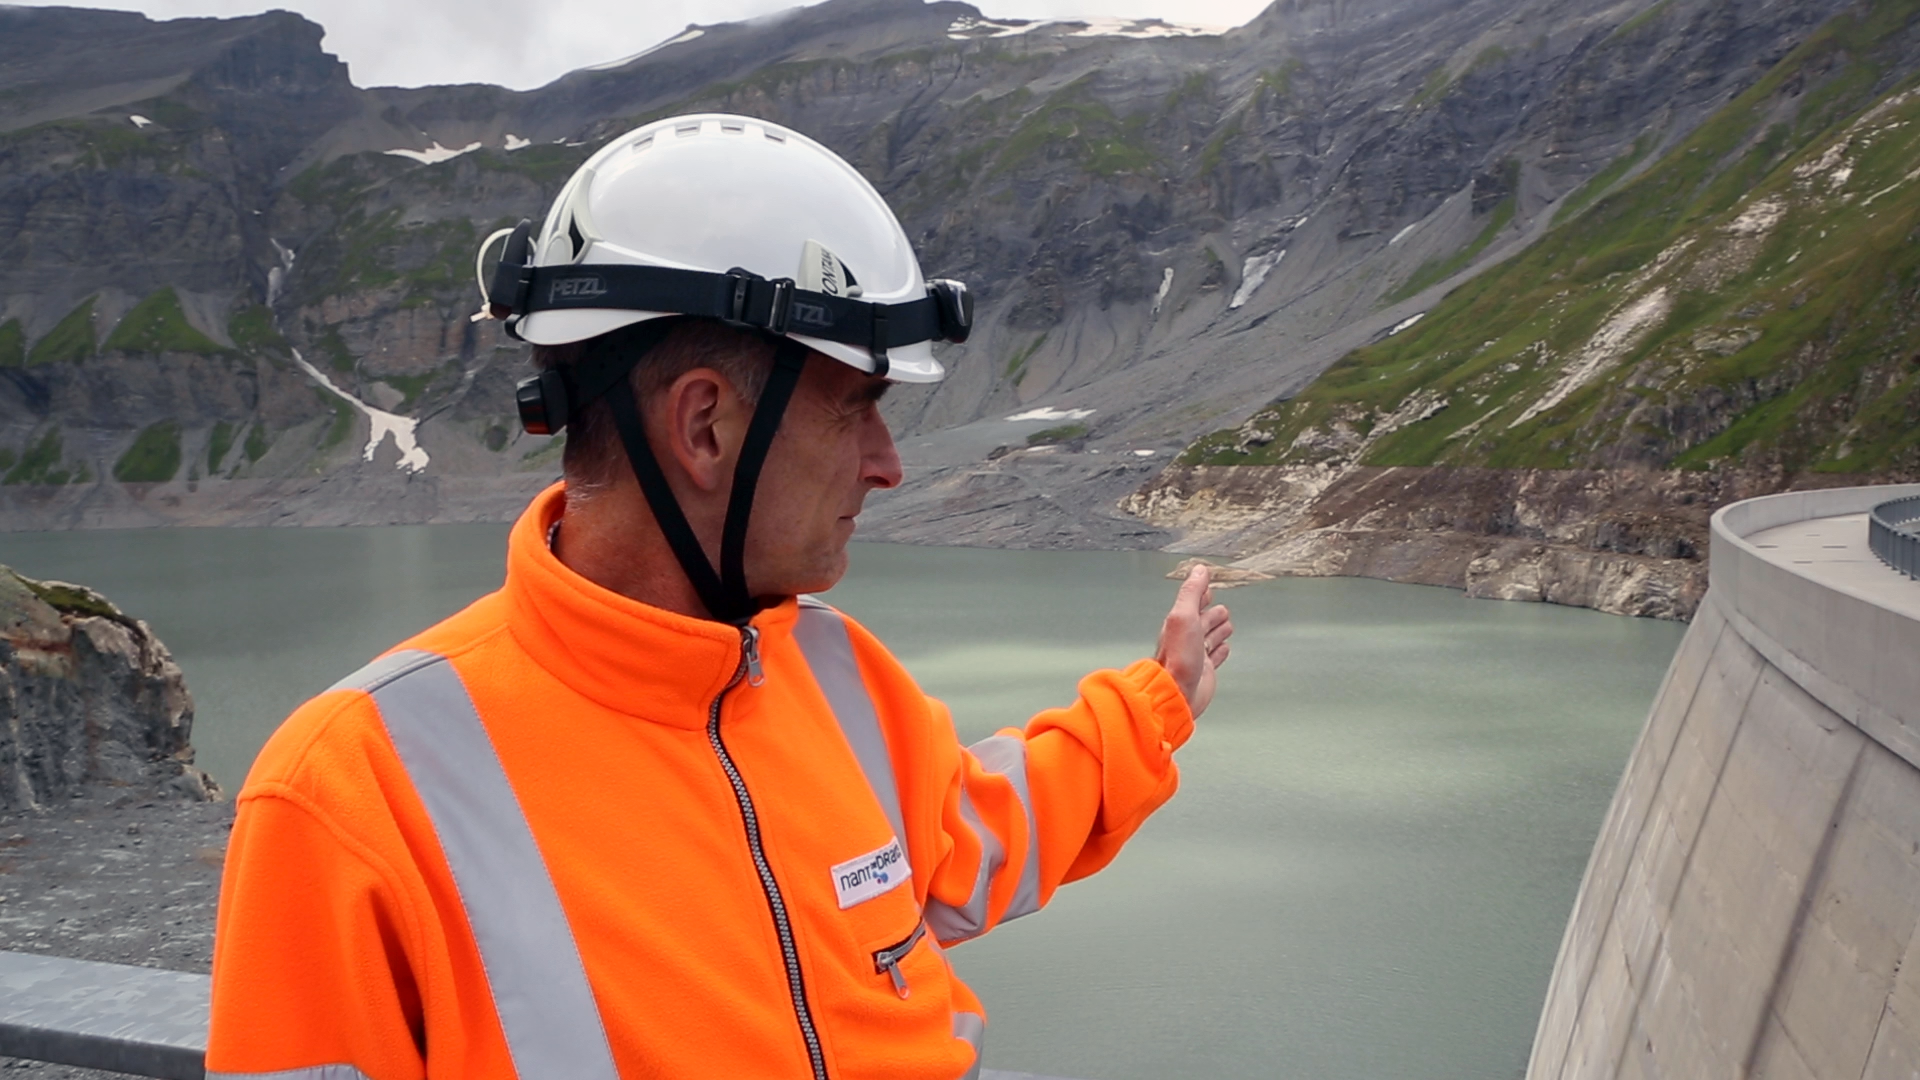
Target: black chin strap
<point>788,361</point>
<point>725,594</point>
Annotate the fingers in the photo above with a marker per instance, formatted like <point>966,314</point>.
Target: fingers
<point>1218,654</point>
<point>1219,628</point>
<point>1214,616</point>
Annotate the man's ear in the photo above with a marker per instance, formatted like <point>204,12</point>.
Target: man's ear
<point>704,422</point>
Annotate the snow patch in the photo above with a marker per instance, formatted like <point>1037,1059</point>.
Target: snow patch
<point>413,459</point>
<point>1144,29</point>
<point>1048,413</point>
<point>1613,340</point>
<point>1406,324</point>
<point>140,121</point>
<point>692,32</point>
<point>1402,234</point>
<point>968,27</point>
<point>515,142</point>
<point>1253,274</point>
<point>1143,453</point>
<point>1166,286</point>
<point>434,154</point>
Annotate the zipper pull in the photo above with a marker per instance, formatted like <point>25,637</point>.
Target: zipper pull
<point>892,967</point>
<point>888,960</point>
<point>750,650</point>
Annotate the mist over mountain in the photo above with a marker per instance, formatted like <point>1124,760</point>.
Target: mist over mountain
<point>1166,230</point>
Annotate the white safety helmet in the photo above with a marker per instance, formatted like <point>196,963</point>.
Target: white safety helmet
<point>714,194</point>
<point>714,217</point>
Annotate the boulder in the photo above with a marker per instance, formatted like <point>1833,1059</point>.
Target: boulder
<point>89,698</point>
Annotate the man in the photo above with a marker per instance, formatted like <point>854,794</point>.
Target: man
<point>651,810</point>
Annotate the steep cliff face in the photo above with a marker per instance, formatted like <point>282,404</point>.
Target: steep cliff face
<point>227,268</point>
<point>88,696</point>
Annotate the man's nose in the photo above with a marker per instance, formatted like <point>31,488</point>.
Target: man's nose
<point>879,460</point>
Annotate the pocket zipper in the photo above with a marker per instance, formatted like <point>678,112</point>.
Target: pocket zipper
<point>887,961</point>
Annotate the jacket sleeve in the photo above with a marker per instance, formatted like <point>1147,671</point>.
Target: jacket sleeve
<point>1011,818</point>
<point>310,970</point>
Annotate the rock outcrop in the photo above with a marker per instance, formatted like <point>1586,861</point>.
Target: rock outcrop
<point>88,697</point>
<point>1629,542</point>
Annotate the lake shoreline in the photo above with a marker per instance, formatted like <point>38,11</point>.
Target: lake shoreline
<point>1024,501</point>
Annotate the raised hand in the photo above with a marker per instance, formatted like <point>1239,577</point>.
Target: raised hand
<point>1194,638</point>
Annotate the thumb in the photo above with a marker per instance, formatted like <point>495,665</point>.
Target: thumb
<point>1193,591</point>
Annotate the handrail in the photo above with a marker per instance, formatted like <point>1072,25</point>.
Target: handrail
<point>104,1016</point>
<point>1890,538</point>
<point>134,1020</point>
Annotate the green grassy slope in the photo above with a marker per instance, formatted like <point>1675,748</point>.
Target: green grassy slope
<point>1752,299</point>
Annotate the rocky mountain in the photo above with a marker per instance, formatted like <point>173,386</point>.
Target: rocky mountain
<point>1737,318</point>
<point>235,287</point>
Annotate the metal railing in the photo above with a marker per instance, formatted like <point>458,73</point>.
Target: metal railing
<point>103,1016</point>
<point>124,1019</point>
<point>1892,534</point>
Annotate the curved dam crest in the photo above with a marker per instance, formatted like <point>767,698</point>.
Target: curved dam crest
<point>1752,906</point>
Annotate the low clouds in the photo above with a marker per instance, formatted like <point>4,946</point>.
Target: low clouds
<point>522,45</point>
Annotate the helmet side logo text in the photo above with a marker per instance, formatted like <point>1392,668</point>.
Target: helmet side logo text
<point>822,271</point>
<point>805,314</point>
<point>582,287</point>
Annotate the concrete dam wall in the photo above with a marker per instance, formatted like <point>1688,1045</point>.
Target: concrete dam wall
<point>1752,907</point>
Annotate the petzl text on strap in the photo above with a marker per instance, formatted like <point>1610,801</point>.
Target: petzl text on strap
<point>737,296</point>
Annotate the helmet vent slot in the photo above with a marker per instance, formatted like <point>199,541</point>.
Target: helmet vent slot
<point>578,241</point>
<point>643,144</point>
<point>735,126</point>
<point>684,130</point>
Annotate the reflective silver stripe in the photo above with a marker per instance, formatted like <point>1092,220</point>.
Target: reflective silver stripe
<point>310,1073</point>
<point>539,986</point>
<point>954,924</point>
<point>971,1027</point>
<point>821,633</point>
<point>1007,756</point>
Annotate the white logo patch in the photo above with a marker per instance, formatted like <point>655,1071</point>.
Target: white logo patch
<point>822,271</point>
<point>868,876</point>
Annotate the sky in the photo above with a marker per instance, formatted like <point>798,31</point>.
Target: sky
<point>423,42</point>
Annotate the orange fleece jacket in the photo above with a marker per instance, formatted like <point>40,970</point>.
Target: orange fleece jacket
<point>342,938</point>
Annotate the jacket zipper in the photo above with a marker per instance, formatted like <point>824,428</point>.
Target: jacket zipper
<point>887,961</point>
<point>749,669</point>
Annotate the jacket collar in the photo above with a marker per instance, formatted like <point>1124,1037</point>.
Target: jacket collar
<point>627,656</point>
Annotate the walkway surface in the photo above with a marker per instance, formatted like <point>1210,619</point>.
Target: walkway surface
<point>1833,551</point>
